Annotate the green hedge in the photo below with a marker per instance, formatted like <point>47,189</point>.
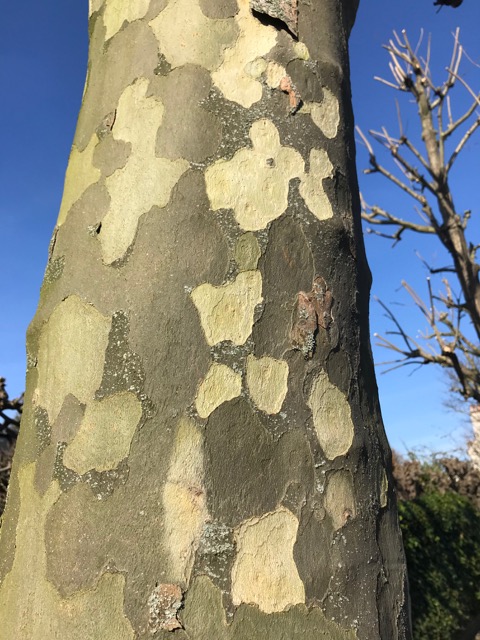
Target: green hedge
<point>442,542</point>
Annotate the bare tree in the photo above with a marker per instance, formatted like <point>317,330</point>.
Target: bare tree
<point>422,170</point>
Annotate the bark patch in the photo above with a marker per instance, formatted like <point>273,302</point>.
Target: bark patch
<point>119,11</point>
<point>204,617</point>
<point>332,417</point>
<point>264,572</point>
<point>312,190</point>
<point>69,357</point>
<point>145,180</point>
<point>40,612</point>
<point>105,434</point>
<point>326,114</point>
<point>255,182</point>
<point>226,312</point>
<point>267,382</point>
<point>183,21</point>
<point>220,385</point>
<point>184,501</point>
<point>313,310</point>
<point>339,498</point>
<point>247,252</point>
<point>197,134</point>
<point>237,77</point>
<point>163,605</point>
<point>81,173</point>
<point>236,441</point>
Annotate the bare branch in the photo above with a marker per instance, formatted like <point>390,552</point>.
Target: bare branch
<point>467,86</point>
<point>433,270</point>
<point>380,169</point>
<point>417,154</point>
<point>399,117</point>
<point>378,216</point>
<point>468,134</point>
<point>389,84</point>
<point>401,332</point>
<point>454,125</point>
<point>365,141</point>
<point>450,118</point>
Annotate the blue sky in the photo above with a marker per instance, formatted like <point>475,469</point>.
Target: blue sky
<point>43,52</point>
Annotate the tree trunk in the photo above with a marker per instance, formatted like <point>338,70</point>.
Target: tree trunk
<point>202,450</point>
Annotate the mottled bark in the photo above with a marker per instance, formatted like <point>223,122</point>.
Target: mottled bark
<point>202,451</point>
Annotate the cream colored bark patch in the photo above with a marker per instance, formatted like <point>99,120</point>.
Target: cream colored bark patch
<point>80,175</point>
<point>105,434</point>
<point>275,74</point>
<point>145,180</point>
<point>301,51</point>
<point>255,40</point>
<point>267,382</point>
<point>339,498</point>
<point>186,36</point>
<point>256,68</point>
<point>184,502</point>
<point>71,354</point>
<point>311,188</point>
<point>119,11</point>
<point>226,313</point>
<point>94,5</point>
<point>255,182</point>
<point>326,114</point>
<point>264,572</point>
<point>220,385</point>
<point>29,604</point>
<point>332,417</point>
<point>384,490</point>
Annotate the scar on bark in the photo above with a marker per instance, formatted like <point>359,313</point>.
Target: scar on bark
<point>164,603</point>
<point>294,97</point>
<point>313,310</point>
<point>277,13</point>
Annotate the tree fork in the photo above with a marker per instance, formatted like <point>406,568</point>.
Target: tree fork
<point>202,452</point>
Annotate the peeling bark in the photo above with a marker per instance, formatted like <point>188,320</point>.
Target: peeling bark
<point>284,10</point>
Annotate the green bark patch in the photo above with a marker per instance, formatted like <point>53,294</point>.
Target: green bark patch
<point>204,619</point>
<point>219,8</point>
<point>287,268</point>
<point>132,54</point>
<point>235,440</point>
<point>198,134</point>
<point>40,612</point>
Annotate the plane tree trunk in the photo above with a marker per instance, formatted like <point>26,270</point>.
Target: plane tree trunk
<point>202,452</point>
